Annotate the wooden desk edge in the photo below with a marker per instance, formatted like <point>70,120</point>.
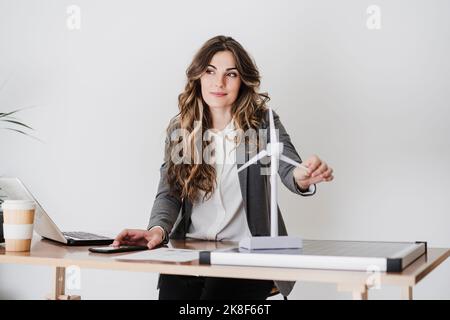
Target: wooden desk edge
<point>266,273</point>
<point>419,276</point>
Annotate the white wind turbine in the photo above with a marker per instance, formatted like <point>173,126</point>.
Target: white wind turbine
<point>275,151</point>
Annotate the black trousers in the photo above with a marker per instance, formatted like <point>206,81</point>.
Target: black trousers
<point>174,287</point>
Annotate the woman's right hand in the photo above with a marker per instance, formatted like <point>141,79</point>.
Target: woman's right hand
<point>135,237</point>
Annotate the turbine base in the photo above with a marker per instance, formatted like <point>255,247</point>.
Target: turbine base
<point>280,242</point>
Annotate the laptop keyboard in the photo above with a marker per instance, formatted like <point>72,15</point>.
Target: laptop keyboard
<point>83,236</point>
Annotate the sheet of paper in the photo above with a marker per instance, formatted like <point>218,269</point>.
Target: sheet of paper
<point>162,254</point>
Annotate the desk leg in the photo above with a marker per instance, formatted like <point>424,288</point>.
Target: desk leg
<point>359,292</point>
<point>407,293</point>
<point>59,286</point>
<point>360,295</point>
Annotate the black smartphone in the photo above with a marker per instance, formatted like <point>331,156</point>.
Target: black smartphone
<point>111,249</point>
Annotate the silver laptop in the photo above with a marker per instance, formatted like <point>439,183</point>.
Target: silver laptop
<point>13,188</point>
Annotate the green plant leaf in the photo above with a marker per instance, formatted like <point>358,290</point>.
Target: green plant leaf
<point>2,115</point>
<point>18,123</point>
<point>24,133</point>
<point>19,131</point>
<point>7,117</point>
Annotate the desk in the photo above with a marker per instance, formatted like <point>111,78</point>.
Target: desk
<point>57,256</point>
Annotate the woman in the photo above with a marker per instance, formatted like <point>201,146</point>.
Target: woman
<point>220,104</point>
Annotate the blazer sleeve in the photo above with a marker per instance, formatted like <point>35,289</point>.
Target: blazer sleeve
<point>286,170</point>
<point>166,206</point>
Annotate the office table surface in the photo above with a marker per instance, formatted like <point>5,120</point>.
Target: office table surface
<point>44,252</point>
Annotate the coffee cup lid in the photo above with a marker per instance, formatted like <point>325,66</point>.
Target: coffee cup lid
<point>18,205</point>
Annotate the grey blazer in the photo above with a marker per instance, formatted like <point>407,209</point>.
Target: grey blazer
<point>168,209</point>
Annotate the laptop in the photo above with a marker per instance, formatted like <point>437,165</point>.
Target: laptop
<point>14,189</point>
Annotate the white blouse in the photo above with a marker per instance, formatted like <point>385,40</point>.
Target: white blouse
<point>221,217</point>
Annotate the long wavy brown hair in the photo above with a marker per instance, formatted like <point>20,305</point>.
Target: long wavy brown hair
<point>188,178</point>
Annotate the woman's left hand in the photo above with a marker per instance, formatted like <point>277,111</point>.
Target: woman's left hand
<point>317,172</point>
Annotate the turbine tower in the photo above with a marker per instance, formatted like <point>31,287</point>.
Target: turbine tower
<point>275,151</point>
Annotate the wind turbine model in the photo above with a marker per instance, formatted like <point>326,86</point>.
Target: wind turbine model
<point>275,151</point>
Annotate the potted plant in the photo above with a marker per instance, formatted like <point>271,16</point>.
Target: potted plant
<point>14,122</point>
<point>9,122</point>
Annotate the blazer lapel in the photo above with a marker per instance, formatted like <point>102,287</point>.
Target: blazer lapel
<point>241,160</point>
<point>243,183</point>
<point>242,157</point>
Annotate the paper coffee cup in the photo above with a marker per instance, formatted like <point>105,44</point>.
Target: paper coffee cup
<point>18,222</point>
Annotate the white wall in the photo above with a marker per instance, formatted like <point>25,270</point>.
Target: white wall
<point>373,103</point>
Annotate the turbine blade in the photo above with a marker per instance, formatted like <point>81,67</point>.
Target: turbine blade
<point>260,155</point>
<point>294,163</point>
